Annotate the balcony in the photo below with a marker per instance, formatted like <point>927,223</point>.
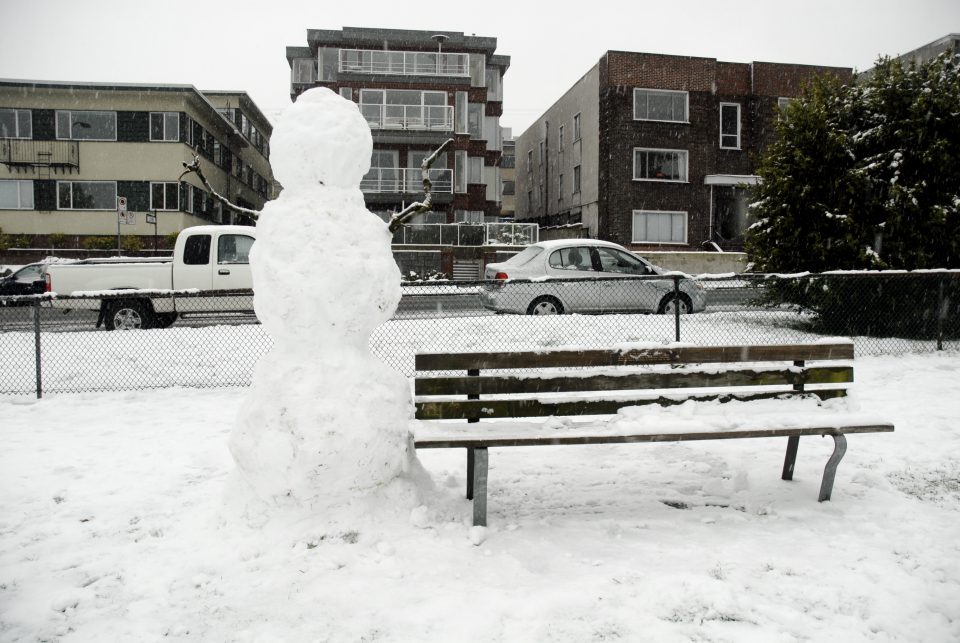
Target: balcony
<point>467,234</point>
<point>391,180</point>
<point>423,118</point>
<point>404,63</point>
<point>30,153</point>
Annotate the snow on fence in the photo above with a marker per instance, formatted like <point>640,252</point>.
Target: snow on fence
<point>54,346</point>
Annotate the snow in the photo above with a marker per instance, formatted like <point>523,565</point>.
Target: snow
<point>117,523</point>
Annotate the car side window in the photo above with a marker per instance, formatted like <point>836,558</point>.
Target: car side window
<point>234,248</point>
<point>613,260</point>
<point>29,274</point>
<point>196,252</point>
<point>575,258</point>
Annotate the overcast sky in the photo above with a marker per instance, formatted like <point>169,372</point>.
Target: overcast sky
<point>239,45</point>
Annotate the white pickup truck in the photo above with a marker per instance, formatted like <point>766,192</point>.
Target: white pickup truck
<point>205,258</point>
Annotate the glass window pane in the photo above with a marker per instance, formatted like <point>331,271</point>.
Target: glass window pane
<point>26,195</point>
<point>64,193</point>
<point>172,195</point>
<point>660,107</point>
<point>24,123</point>
<point>8,123</point>
<point>196,252</point>
<point>678,227</point>
<point>9,195</point>
<point>172,126</point>
<point>156,196</point>
<point>728,119</point>
<point>63,124</point>
<point>156,127</point>
<point>680,107</point>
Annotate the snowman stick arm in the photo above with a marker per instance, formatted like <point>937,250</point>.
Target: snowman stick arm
<point>194,168</point>
<point>400,218</point>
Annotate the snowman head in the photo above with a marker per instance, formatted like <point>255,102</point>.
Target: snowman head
<point>322,139</point>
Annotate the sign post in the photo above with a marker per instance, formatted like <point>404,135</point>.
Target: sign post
<point>152,218</point>
<point>121,216</point>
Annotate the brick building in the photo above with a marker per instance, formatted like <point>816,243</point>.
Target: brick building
<point>416,89</point>
<point>655,151</point>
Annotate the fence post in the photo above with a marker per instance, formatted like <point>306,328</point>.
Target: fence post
<point>36,341</point>
<point>941,313</point>
<point>676,306</point>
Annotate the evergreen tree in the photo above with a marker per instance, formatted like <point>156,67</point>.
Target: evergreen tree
<point>864,176</point>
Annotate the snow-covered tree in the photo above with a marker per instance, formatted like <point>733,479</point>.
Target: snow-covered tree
<point>865,175</point>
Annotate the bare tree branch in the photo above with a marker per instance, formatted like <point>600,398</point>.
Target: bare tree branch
<point>194,168</point>
<point>415,208</point>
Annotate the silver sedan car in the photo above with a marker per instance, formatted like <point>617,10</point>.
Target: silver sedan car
<point>584,276</point>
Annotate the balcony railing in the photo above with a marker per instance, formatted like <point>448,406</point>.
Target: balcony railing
<point>24,152</point>
<point>467,234</point>
<point>391,180</point>
<point>409,117</point>
<point>404,63</point>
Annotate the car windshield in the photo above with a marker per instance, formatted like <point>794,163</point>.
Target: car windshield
<point>524,256</point>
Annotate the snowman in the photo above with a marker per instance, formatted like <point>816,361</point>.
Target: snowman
<point>325,422</point>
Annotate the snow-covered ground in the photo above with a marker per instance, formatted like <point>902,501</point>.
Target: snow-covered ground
<point>114,526</point>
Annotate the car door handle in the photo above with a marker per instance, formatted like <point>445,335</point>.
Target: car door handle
<point>223,271</point>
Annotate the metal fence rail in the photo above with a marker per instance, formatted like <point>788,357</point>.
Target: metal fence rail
<point>53,345</point>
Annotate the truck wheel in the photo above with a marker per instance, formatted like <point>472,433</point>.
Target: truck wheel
<point>128,315</point>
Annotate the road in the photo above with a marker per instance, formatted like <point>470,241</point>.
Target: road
<point>457,303</point>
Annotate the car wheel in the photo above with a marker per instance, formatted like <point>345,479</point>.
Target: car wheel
<point>545,306</point>
<point>127,315</point>
<point>669,303</point>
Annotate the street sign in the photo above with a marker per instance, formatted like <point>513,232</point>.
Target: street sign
<point>151,218</point>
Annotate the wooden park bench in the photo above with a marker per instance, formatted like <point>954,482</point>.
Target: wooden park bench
<point>507,386</point>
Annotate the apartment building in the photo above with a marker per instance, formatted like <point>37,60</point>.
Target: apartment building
<point>655,151</point>
<point>71,153</point>
<point>416,89</point>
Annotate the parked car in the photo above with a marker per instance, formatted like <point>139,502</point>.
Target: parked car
<point>584,276</point>
<point>28,280</point>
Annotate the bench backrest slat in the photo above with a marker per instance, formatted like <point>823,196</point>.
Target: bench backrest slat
<point>517,408</point>
<point>627,357</point>
<point>509,384</point>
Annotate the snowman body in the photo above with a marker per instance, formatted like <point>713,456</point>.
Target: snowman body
<point>325,420</point>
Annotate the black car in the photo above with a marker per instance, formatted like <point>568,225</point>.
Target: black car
<point>29,280</point>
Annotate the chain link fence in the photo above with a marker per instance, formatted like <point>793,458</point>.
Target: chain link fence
<point>62,345</point>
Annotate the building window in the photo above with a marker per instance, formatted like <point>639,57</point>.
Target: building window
<point>16,195</point>
<point>164,126</point>
<point>509,188</point>
<point>560,187</point>
<point>659,165</point>
<point>730,126</point>
<point>347,92</point>
<point>660,105</point>
<point>86,195</point>
<point>653,226</point>
<point>475,170</point>
<point>304,70</point>
<point>86,126</point>
<point>475,120</point>
<point>529,161</point>
<point>16,123</point>
<point>576,179</point>
<point>576,127</point>
<point>560,145</point>
<point>541,152</point>
<point>783,102</point>
<point>164,196</point>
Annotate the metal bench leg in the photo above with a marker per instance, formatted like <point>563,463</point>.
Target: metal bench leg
<point>830,471</point>
<point>479,478</point>
<point>791,458</point>
<point>470,467</point>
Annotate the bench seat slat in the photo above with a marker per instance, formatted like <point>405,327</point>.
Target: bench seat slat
<point>517,441</point>
<point>637,356</point>
<point>467,409</point>
<point>508,384</point>
<point>479,442</point>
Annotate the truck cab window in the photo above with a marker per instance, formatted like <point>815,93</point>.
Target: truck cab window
<point>234,248</point>
<point>196,252</point>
